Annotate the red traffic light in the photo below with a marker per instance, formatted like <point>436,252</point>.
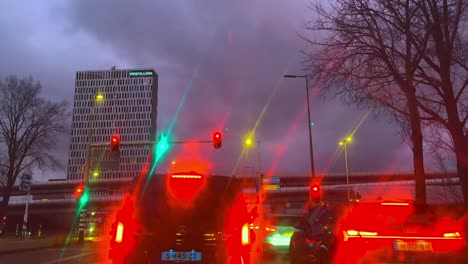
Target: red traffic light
<point>79,190</point>
<point>217,140</point>
<point>315,193</point>
<point>115,143</point>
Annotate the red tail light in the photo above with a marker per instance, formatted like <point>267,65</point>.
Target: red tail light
<point>185,185</point>
<point>453,235</point>
<point>355,233</point>
<point>395,203</point>
<point>179,176</point>
<point>119,232</point>
<point>245,235</point>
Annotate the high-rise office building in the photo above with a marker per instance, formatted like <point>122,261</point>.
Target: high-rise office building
<point>108,102</point>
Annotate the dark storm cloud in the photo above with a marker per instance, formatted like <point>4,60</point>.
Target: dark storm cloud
<point>239,51</point>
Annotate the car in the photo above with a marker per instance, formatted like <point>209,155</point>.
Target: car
<point>184,217</point>
<point>396,231</point>
<point>279,229</point>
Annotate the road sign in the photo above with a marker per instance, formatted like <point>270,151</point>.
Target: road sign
<point>271,187</point>
<point>274,180</point>
<point>25,184</point>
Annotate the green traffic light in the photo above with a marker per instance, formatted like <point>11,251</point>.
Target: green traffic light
<point>312,123</point>
<point>84,197</point>
<point>161,147</point>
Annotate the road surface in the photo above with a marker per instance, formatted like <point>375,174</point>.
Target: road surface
<point>92,252</point>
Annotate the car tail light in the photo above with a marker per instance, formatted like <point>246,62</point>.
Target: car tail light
<point>452,235</point>
<point>356,233</point>
<point>185,176</point>
<point>270,229</point>
<point>245,235</point>
<point>395,203</point>
<point>119,232</point>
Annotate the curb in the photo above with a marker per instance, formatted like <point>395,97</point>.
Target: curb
<point>19,250</point>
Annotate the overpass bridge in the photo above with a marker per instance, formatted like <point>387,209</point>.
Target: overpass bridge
<point>57,195</point>
<point>52,202</point>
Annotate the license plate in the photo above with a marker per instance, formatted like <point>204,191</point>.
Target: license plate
<point>187,256</point>
<point>288,234</point>
<point>412,246</point>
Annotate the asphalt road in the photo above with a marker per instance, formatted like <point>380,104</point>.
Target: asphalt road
<point>89,252</point>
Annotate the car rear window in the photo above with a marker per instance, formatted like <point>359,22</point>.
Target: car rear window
<point>208,207</point>
<point>385,213</point>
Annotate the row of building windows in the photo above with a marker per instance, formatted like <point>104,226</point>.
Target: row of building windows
<point>112,103</point>
<point>142,158</point>
<point>124,133</point>
<point>107,110</point>
<point>124,150</point>
<point>116,93</point>
<point>79,142</point>
<point>92,90</point>
<point>137,126</point>
<point>118,116</point>
<point>114,82</point>
<point>96,75</point>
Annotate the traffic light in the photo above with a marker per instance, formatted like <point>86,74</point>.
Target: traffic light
<point>315,193</point>
<point>81,194</point>
<point>79,191</point>
<point>217,140</point>
<point>115,142</point>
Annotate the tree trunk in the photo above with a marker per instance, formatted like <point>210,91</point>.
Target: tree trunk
<point>4,206</point>
<point>418,152</point>
<point>461,153</point>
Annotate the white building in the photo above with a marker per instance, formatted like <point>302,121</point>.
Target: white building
<point>118,101</point>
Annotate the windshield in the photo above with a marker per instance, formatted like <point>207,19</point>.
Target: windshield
<point>216,198</point>
<point>283,220</point>
<point>379,213</point>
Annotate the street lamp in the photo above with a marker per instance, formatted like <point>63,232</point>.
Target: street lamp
<point>309,123</point>
<point>98,98</point>
<point>248,142</point>
<point>345,143</point>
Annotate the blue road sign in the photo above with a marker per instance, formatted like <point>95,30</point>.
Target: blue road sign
<point>274,180</point>
<point>25,184</point>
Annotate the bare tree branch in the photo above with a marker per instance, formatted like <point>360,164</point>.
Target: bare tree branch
<point>28,129</point>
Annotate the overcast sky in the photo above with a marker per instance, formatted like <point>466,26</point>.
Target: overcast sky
<point>227,57</point>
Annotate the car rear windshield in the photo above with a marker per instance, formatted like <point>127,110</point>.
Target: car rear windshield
<point>389,213</point>
<point>284,220</point>
<point>208,208</point>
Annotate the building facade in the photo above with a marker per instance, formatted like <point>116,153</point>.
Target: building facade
<point>119,102</point>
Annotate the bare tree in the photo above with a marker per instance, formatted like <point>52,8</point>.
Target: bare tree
<point>443,76</point>
<point>370,57</point>
<point>29,125</point>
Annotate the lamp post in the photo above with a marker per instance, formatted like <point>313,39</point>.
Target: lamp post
<point>309,124</point>
<point>345,143</point>
<point>248,142</point>
<point>98,98</point>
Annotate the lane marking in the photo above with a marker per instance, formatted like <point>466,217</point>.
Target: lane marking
<point>65,259</point>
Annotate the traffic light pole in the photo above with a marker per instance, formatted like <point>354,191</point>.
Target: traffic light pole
<point>25,217</point>
<point>144,143</point>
